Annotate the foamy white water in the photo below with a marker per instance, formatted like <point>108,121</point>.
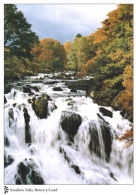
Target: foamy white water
<point>52,157</point>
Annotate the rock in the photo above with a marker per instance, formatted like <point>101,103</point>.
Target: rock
<point>51,82</point>
<point>11,113</point>
<point>16,78</point>
<point>107,138</point>
<point>14,104</point>
<point>5,100</point>
<point>71,103</point>
<point>26,90</point>
<point>57,89</point>
<point>19,84</point>
<point>30,94</point>
<point>106,112</point>
<point>112,176</point>
<point>29,101</point>
<point>73,90</point>
<point>95,142</point>
<point>70,122</point>
<point>27,173</point>
<point>102,119</point>
<point>40,106</point>
<point>7,88</point>
<point>27,128</point>
<point>78,84</point>
<point>8,160</point>
<point>6,141</point>
<point>36,81</point>
<point>35,88</point>
<point>76,168</point>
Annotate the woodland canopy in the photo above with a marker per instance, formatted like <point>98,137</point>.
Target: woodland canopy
<point>106,54</point>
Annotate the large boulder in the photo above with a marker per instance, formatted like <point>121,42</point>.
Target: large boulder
<point>70,122</point>
<point>94,144</point>
<point>27,127</point>
<point>40,106</point>
<point>27,173</point>
<point>107,138</point>
<point>100,135</point>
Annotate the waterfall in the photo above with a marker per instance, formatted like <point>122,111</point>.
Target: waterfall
<point>62,137</point>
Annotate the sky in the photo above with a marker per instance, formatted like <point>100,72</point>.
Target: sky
<point>64,21</point>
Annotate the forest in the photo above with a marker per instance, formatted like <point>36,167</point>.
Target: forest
<point>106,55</point>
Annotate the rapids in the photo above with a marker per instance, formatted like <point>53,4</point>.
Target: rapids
<point>75,144</point>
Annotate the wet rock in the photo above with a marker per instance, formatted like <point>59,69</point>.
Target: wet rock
<point>30,94</point>
<point>14,104</point>
<point>51,82</point>
<point>94,144</point>
<point>5,100</point>
<point>61,150</point>
<point>108,138</point>
<point>35,88</point>
<point>73,90</point>
<point>26,90</point>
<point>78,84</point>
<point>19,84</point>
<point>29,101</point>
<point>70,122</point>
<point>27,173</point>
<point>72,103</point>
<point>40,106</point>
<point>8,160</point>
<point>102,119</point>
<point>11,113</point>
<point>57,89</point>
<point>7,88</point>
<point>16,78</point>
<point>76,168</point>
<point>6,141</point>
<point>112,176</point>
<point>106,112</point>
<point>27,127</point>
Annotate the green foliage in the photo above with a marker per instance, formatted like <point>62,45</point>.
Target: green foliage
<point>78,35</point>
<point>18,37</point>
<point>112,66</point>
<point>81,51</point>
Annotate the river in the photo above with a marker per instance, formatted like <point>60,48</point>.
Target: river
<point>75,143</point>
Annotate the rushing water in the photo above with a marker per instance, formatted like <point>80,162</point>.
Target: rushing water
<point>55,157</point>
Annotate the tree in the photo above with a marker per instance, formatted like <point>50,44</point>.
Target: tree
<point>78,35</point>
<point>112,66</point>
<point>50,54</point>
<point>18,36</point>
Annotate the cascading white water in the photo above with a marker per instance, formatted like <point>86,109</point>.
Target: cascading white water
<point>53,157</point>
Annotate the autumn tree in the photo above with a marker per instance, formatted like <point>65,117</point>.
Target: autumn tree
<point>113,58</point>
<point>50,54</point>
